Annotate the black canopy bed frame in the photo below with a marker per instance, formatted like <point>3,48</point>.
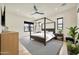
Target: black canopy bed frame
<point>40,39</point>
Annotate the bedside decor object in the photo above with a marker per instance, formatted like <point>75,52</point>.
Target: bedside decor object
<point>60,31</point>
<point>59,36</point>
<point>4,28</point>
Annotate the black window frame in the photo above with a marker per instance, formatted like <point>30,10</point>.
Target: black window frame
<point>59,23</point>
<point>29,26</point>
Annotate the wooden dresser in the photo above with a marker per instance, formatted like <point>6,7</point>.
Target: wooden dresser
<point>9,43</point>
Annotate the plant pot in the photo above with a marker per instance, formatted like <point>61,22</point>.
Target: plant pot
<point>77,42</point>
<point>72,48</point>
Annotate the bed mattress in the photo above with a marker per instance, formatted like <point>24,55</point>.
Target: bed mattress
<point>49,35</point>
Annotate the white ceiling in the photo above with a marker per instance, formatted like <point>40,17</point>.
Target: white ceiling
<point>27,9</point>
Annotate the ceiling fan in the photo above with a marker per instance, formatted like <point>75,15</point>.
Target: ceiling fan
<point>36,10</point>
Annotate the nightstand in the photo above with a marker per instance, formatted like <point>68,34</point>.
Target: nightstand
<point>59,36</point>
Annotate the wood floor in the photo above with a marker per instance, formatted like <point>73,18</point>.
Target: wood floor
<point>63,50</point>
<point>23,51</point>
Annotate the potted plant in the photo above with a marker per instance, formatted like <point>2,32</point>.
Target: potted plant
<point>60,31</point>
<point>77,39</point>
<point>78,36</point>
<point>73,32</point>
<point>72,48</point>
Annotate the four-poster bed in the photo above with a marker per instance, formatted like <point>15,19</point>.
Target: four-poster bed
<point>46,34</point>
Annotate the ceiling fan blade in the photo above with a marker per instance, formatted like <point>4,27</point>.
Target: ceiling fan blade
<point>40,13</point>
<point>63,4</point>
<point>35,8</point>
<point>34,13</point>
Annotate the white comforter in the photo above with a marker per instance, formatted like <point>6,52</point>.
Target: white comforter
<point>49,35</point>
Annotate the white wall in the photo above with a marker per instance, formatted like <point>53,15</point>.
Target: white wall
<point>78,21</point>
<point>78,17</point>
<point>15,21</point>
<point>69,19</point>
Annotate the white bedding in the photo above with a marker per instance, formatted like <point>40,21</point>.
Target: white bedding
<point>49,35</point>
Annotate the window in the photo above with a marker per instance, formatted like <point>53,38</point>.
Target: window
<point>60,23</point>
<point>32,27</point>
<point>28,26</point>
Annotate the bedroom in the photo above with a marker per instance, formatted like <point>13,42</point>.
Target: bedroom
<point>16,14</point>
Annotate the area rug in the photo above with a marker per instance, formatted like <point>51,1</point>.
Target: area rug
<point>36,48</point>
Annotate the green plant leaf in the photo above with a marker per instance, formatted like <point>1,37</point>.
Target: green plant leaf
<point>78,36</point>
<point>73,31</point>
